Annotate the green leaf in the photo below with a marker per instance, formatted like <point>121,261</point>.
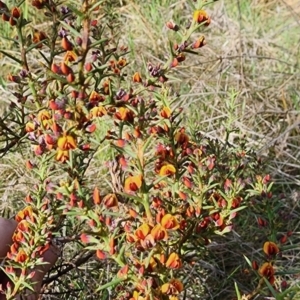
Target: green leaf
<point>93,45</point>
<point>248,261</point>
<point>2,82</point>
<point>97,4</point>
<point>224,231</point>
<point>147,261</point>
<point>171,48</point>
<point>28,286</point>
<point>9,39</point>
<point>147,143</point>
<point>136,198</point>
<point>126,149</point>
<point>109,284</point>
<point>270,187</point>
<point>12,57</point>
<point>285,272</point>
<point>238,209</point>
<point>272,290</point>
<point>157,181</point>
<point>238,294</point>
<point>32,46</point>
<point>120,256</point>
<point>289,247</point>
<point>74,31</point>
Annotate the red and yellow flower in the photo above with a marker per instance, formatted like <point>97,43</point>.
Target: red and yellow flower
<point>39,4</point>
<point>173,261</point>
<point>98,111</point>
<point>70,56</point>
<point>181,137</point>
<point>66,44</point>
<point>30,126</point>
<point>137,77</point>
<point>21,256</point>
<point>169,222</point>
<point>167,170</point>
<point>270,248</point>
<point>66,142</point>
<point>151,265</point>
<point>166,112</point>
<point>267,270</point>
<point>38,36</point>
<point>16,12</point>
<point>124,114</point>
<point>44,117</point>
<point>174,287</point>
<point>136,296</point>
<point>201,16</point>
<point>18,237</point>
<point>95,97</point>
<point>142,231</point>
<point>110,200</point>
<point>121,62</point>
<point>159,232</point>
<point>62,155</point>
<point>23,226</point>
<point>133,183</point>
<point>25,214</point>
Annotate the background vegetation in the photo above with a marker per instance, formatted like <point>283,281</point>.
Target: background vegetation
<point>245,80</point>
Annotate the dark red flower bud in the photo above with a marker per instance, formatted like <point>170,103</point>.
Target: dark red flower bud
<point>171,25</point>
<point>16,12</point>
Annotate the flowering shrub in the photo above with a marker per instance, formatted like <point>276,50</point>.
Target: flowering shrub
<point>169,189</point>
<point>271,270</point>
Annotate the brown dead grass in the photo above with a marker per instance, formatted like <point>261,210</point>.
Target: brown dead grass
<point>294,5</point>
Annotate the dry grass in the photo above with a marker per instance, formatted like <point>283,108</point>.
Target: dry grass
<point>293,6</point>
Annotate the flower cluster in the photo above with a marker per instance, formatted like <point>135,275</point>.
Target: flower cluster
<point>27,245</point>
<point>172,189</point>
<point>268,220</point>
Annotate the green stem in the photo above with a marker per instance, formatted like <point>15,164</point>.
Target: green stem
<point>146,205</point>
